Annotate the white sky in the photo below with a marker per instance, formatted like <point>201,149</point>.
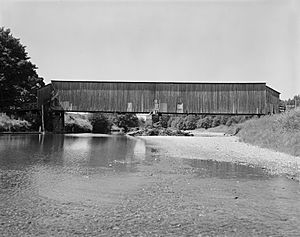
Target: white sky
<point>198,40</point>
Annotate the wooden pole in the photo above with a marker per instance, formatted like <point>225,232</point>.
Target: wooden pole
<point>43,120</point>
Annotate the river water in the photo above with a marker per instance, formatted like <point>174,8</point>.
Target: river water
<point>45,179</point>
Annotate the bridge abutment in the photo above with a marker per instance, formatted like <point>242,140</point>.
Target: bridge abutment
<point>58,122</point>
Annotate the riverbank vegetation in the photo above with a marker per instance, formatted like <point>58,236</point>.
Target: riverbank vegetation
<point>77,123</point>
<point>280,132</point>
<point>8,124</point>
<point>100,122</point>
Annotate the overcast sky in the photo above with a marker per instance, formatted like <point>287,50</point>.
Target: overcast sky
<point>198,40</point>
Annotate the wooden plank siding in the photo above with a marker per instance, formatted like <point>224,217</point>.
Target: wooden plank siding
<point>44,95</point>
<point>139,97</point>
<point>272,101</point>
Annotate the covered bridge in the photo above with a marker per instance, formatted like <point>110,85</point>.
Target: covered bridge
<point>163,97</point>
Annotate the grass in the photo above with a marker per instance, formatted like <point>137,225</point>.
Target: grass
<point>280,132</point>
<point>8,124</point>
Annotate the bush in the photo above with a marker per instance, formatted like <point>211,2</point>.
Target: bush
<point>229,121</point>
<point>178,123</point>
<point>34,119</point>
<point>205,122</point>
<point>224,119</point>
<point>126,121</point>
<point>190,122</point>
<point>216,121</point>
<point>142,122</point>
<point>8,124</point>
<point>164,120</point>
<point>100,123</point>
<point>170,121</point>
<point>183,122</point>
<point>77,123</point>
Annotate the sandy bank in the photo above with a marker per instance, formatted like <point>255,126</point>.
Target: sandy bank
<point>215,146</point>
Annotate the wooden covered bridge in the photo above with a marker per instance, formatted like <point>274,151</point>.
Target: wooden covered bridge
<point>162,97</point>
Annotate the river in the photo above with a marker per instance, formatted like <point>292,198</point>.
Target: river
<point>92,185</point>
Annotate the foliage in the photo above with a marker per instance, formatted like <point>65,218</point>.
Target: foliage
<point>183,122</point>
<point>205,122</point>
<point>280,132</point>
<point>216,121</point>
<point>8,124</point>
<point>126,121</point>
<point>177,122</point>
<point>164,119</point>
<point>77,123</point>
<point>18,77</point>
<point>224,119</point>
<point>142,122</point>
<point>100,123</point>
<point>34,119</point>
<point>190,122</point>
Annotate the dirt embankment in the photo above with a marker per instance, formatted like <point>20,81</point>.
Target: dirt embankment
<point>218,147</point>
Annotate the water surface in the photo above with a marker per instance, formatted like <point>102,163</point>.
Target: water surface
<point>53,179</point>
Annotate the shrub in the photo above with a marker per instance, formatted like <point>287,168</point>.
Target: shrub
<point>8,124</point>
<point>164,120</point>
<point>190,122</point>
<point>171,119</point>
<point>126,121</point>
<point>142,122</point>
<point>205,122</point>
<point>224,119</point>
<point>216,121</point>
<point>100,123</point>
<point>34,119</point>
<point>177,122</point>
<point>77,123</point>
<point>229,121</point>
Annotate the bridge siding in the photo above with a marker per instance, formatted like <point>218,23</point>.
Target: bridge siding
<point>245,98</point>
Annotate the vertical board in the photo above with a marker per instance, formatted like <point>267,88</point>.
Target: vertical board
<point>205,98</point>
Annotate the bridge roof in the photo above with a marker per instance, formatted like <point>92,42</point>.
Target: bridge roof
<point>154,82</point>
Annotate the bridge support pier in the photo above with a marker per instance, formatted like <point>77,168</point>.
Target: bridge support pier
<point>58,121</point>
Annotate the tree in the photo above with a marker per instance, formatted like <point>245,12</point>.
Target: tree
<point>100,123</point>
<point>19,80</point>
<point>126,121</point>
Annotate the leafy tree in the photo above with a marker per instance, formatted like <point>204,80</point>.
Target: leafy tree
<point>100,123</point>
<point>126,121</point>
<point>18,77</point>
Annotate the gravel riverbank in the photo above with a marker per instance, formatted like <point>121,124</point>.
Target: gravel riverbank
<point>216,146</point>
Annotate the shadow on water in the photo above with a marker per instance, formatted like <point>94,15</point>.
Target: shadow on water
<point>226,170</point>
